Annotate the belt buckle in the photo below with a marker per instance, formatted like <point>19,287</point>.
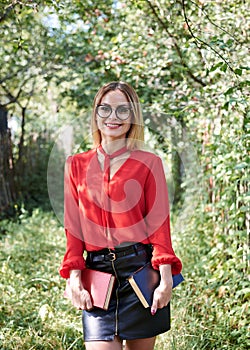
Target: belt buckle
<point>111,256</point>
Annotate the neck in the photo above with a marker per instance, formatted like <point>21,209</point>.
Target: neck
<point>113,146</point>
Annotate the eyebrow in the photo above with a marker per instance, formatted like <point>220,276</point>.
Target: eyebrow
<point>122,104</point>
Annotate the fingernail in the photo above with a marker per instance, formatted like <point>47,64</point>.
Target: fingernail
<point>153,311</point>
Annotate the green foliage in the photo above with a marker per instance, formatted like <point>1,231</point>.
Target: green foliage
<point>214,234</point>
<point>215,309</point>
<point>32,174</point>
<point>34,313</point>
<point>207,310</point>
<point>188,61</point>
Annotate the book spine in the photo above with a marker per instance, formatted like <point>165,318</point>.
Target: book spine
<point>138,292</point>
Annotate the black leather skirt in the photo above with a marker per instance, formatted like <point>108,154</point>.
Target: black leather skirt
<point>126,317</point>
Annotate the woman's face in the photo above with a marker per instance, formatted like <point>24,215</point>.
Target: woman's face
<point>112,127</point>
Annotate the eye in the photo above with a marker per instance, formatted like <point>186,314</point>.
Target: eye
<point>105,109</point>
<point>123,110</point>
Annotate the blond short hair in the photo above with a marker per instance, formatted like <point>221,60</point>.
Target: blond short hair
<point>135,135</point>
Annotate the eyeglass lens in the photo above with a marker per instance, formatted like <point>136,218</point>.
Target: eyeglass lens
<point>122,112</point>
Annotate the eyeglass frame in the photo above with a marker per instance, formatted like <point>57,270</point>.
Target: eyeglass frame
<point>111,111</point>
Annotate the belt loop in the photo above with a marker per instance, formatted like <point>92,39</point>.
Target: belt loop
<point>90,257</point>
<point>150,249</point>
<point>135,249</point>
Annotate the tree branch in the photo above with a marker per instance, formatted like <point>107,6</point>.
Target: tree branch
<point>215,24</point>
<point>7,11</point>
<point>177,47</point>
<point>11,97</point>
<point>202,42</point>
<point>12,6</point>
<point>12,75</point>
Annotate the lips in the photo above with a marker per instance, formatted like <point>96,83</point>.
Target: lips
<point>113,125</point>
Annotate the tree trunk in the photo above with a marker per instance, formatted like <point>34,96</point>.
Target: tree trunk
<point>7,189</point>
<point>177,166</point>
<point>21,142</point>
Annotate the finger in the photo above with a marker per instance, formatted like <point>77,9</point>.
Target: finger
<point>78,302</point>
<point>89,305</point>
<point>86,300</point>
<point>154,306</point>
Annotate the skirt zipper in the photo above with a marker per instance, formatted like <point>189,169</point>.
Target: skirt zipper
<point>117,299</point>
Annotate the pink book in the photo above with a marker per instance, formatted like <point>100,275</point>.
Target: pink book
<point>98,284</point>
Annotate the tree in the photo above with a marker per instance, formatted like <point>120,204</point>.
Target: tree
<point>25,58</point>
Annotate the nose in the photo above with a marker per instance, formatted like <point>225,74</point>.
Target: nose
<point>113,114</point>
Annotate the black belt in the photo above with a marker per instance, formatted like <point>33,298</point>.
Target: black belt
<point>112,254</point>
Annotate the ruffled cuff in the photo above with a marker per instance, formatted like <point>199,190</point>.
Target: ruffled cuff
<point>73,263</point>
<point>164,259</point>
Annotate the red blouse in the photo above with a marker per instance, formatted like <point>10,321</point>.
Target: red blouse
<point>130,207</point>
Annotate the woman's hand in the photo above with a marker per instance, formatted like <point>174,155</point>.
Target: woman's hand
<point>79,296</point>
<point>163,292</point>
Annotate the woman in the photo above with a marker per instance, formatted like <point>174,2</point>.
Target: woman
<point>116,210</point>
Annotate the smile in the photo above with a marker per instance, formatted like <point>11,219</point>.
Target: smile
<point>113,126</point>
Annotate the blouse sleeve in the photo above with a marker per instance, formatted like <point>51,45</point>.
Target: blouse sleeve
<point>73,258</point>
<point>158,219</point>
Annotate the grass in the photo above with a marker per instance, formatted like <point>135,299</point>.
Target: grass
<point>34,314</point>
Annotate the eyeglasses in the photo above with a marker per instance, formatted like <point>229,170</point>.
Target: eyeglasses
<point>122,112</point>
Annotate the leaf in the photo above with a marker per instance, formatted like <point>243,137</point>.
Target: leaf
<point>244,67</point>
<point>213,68</point>
<point>243,83</point>
<point>224,67</point>
<point>243,292</point>
<point>238,71</point>
<point>244,209</point>
<point>229,91</point>
<point>241,166</point>
<point>226,105</point>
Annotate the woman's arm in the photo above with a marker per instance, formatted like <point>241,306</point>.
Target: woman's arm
<point>73,262</point>
<point>158,225</point>
<point>163,292</point>
<point>80,297</point>
<point>158,219</point>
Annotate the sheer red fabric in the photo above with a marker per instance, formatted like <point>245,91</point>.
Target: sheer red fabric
<point>130,207</point>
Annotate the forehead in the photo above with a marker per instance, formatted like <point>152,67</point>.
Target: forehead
<point>115,97</point>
